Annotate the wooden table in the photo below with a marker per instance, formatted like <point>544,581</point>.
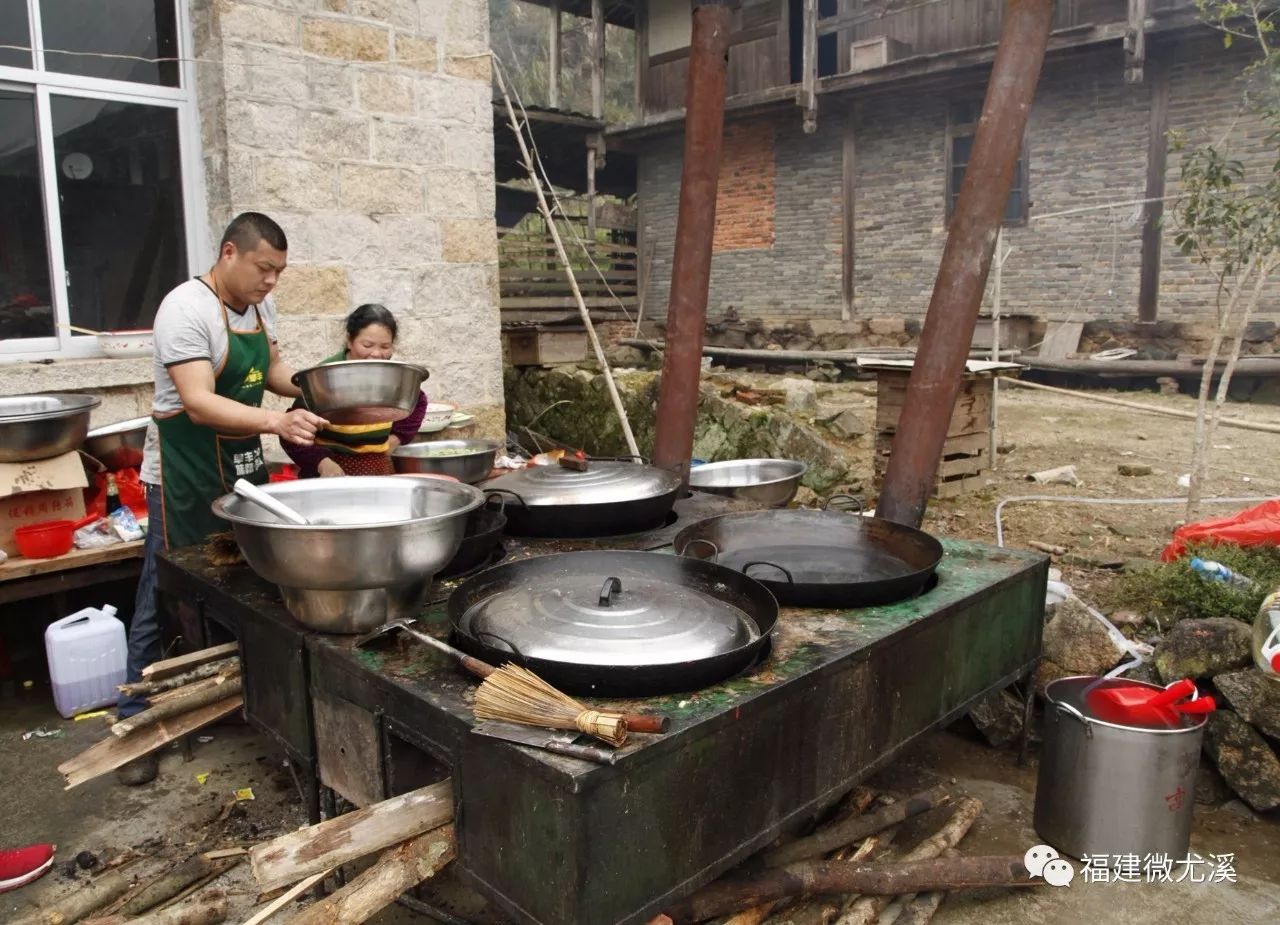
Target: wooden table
<point>22,579</point>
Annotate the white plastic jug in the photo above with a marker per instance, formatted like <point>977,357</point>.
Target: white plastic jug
<point>87,654</point>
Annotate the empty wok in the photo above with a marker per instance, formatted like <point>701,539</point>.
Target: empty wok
<point>809,558</point>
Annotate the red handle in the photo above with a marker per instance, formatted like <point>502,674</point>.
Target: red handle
<point>1184,688</point>
<point>1201,705</point>
<point>646,722</point>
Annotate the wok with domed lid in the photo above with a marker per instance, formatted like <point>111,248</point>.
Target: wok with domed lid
<point>615,623</point>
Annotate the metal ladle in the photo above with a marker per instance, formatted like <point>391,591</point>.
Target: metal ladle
<point>251,492</point>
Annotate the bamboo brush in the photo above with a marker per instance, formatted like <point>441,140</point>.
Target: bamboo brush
<point>515,695</point>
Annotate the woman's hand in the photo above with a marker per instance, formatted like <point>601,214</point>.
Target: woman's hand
<point>328,469</point>
<point>393,443</point>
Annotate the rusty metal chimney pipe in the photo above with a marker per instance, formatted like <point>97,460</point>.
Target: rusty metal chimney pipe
<point>962,275</point>
<point>695,227</point>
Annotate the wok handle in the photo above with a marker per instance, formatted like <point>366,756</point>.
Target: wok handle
<point>610,587</point>
<point>495,494</point>
<point>715,550</point>
<point>861,505</point>
<point>505,491</point>
<point>790,579</point>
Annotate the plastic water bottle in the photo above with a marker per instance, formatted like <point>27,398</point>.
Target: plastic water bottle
<point>1216,571</point>
<point>1266,636</point>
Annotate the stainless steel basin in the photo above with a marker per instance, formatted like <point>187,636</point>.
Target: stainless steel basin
<point>374,545</point>
<point>771,482</point>
<point>467,461</point>
<point>118,446</point>
<point>36,427</point>
<point>361,391</point>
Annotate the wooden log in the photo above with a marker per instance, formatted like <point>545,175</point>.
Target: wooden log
<point>111,752</point>
<point>1048,548</point>
<point>866,910</point>
<point>171,666</point>
<point>177,706</point>
<point>824,909</point>
<point>83,900</point>
<point>854,803</point>
<point>399,869</point>
<point>173,882</point>
<point>205,912</point>
<point>856,828</point>
<point>285,898</point>
<point>878,879</point>
<point>199,673</point>
<point>338,841</point>
<point>921,909</point>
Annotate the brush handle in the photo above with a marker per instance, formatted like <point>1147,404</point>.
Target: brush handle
<point>636,722</point>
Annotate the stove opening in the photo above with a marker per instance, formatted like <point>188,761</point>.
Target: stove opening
<point>409,762</point>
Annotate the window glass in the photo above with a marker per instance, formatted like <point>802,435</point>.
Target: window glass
<point>120,197</point>
<point>25,299</point>
<point>133,29</point>
<point>14,31</point>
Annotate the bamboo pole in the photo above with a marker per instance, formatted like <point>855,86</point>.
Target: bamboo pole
<point>612,386</point>
<point>1150,409</point>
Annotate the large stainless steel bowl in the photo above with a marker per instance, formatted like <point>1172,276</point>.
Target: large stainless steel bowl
<point>771,482</point>
<point>361,391</point>
<point>370,554</point>
<point>467,461</point>
<point>36,427</point>
<point>118,446</point>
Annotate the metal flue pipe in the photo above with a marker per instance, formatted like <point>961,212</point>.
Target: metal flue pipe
<point>966,259</point>
<point>695,227</point>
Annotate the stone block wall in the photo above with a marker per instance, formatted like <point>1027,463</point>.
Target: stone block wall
<point>1086,144</point>
<point>365,128</point>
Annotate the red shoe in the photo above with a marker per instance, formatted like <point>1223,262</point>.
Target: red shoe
<point>19,866</point>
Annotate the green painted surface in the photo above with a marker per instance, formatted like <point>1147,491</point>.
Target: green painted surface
<point>804,640</point>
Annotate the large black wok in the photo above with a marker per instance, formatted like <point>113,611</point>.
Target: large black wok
<point>610,497</point>
<point>483,534</point>
<point>818,558</point>
<point>615,624</point>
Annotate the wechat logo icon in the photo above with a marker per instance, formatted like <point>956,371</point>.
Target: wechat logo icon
<point>1043,861</point>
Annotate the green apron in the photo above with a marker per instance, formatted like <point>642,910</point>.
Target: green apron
<point>197,464</point>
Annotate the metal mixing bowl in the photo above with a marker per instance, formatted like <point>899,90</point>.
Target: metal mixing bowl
<point>370,554</point>
<point>36,427</point>
<point>118,446</point>
<point>471,466</point>
<point>771,482</point>
<point>361,391</point>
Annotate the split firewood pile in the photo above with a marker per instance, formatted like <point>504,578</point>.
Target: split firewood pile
<point>852,870</point>
<point>185,694</point>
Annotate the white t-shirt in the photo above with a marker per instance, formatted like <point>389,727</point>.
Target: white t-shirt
<point>190,326</point>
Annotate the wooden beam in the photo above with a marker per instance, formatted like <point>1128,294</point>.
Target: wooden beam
<point>553,78</point>
<point>809,67</point>
<point>112,752</point>
<point>1135,42</point>
<point>642,52</point>
<point>848,190</point>
<point>1153,209</point>
<point>339,841</point>
<point>172,666</point>
<point>597,59</point>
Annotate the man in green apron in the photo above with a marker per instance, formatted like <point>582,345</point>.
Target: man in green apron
<point>215,356</point>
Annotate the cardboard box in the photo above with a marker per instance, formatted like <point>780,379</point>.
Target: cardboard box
<point>50,489</point>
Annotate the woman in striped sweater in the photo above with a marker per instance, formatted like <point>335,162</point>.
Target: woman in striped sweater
<point>359,449</point>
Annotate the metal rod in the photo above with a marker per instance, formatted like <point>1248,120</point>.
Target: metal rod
<point>966,260</point>
<point>695,230</point>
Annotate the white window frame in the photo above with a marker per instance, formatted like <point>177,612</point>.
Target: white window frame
<point>43,84</point>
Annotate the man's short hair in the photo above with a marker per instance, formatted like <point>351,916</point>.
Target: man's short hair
<point>248,228</point>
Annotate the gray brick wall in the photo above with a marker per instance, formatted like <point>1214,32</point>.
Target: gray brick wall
<point>1086,145</point>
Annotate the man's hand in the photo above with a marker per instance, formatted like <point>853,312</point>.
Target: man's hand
<point>328,469</point>
<point>298,426</point>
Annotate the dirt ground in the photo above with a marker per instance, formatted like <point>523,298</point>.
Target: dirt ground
<point>179,814</point>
